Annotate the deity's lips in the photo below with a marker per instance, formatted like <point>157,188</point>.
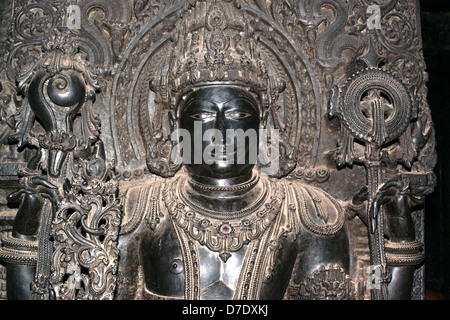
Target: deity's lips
<point>221,151</point>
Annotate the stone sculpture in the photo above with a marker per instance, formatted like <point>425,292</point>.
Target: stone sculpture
<point>227,149</point>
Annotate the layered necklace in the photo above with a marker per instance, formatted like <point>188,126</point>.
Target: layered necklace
<point>223,232</point>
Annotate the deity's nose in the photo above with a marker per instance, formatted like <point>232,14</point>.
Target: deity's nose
<point>220,123</point>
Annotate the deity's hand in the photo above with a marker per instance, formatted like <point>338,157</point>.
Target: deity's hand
<point>402,252</point>
<point>393,200</point>
<point>30,200</point>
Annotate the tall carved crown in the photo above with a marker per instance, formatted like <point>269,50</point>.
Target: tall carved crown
<point>215,43</point>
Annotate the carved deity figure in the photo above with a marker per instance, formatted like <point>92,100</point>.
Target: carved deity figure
<point>223,230</point>
<point>208,222</point>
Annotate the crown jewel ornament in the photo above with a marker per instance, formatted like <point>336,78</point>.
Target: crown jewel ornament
<point>215,44</point>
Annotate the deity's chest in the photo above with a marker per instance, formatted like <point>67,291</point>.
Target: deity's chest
<point>177,266</point>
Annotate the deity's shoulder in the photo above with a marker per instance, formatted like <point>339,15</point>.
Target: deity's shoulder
<point>140,202</point>
<point>317,210</point>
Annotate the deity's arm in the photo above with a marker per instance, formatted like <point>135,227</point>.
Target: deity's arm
<point>20,246</point>
<point>324,250</point>
<point>403,251</point>
<point>316,251</point>
<point>137,202</point>
<point>128,284</point>
<point>401,232</point>
<point>20,272</point>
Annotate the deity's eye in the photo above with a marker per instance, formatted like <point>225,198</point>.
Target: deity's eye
<point>204,116</point>
<point>237,115</point>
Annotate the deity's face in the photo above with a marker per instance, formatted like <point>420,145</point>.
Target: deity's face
<point>224,109</point>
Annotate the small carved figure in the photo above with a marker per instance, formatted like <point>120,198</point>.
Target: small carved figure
<point>9,105</point>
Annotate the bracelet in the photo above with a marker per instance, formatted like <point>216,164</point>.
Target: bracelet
<point>398,260</point>
<point>404,253</point>
<point>15,243</point>
<point>403,247</point>
<point>18,251</point>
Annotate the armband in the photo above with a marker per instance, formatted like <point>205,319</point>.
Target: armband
<point>404,253</point>
<point>18,251</point>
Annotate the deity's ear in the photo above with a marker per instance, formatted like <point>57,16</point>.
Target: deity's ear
<point>158,137</point>
<point>178,103</point>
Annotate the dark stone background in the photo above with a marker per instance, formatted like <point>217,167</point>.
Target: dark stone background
<point>435,16</point>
